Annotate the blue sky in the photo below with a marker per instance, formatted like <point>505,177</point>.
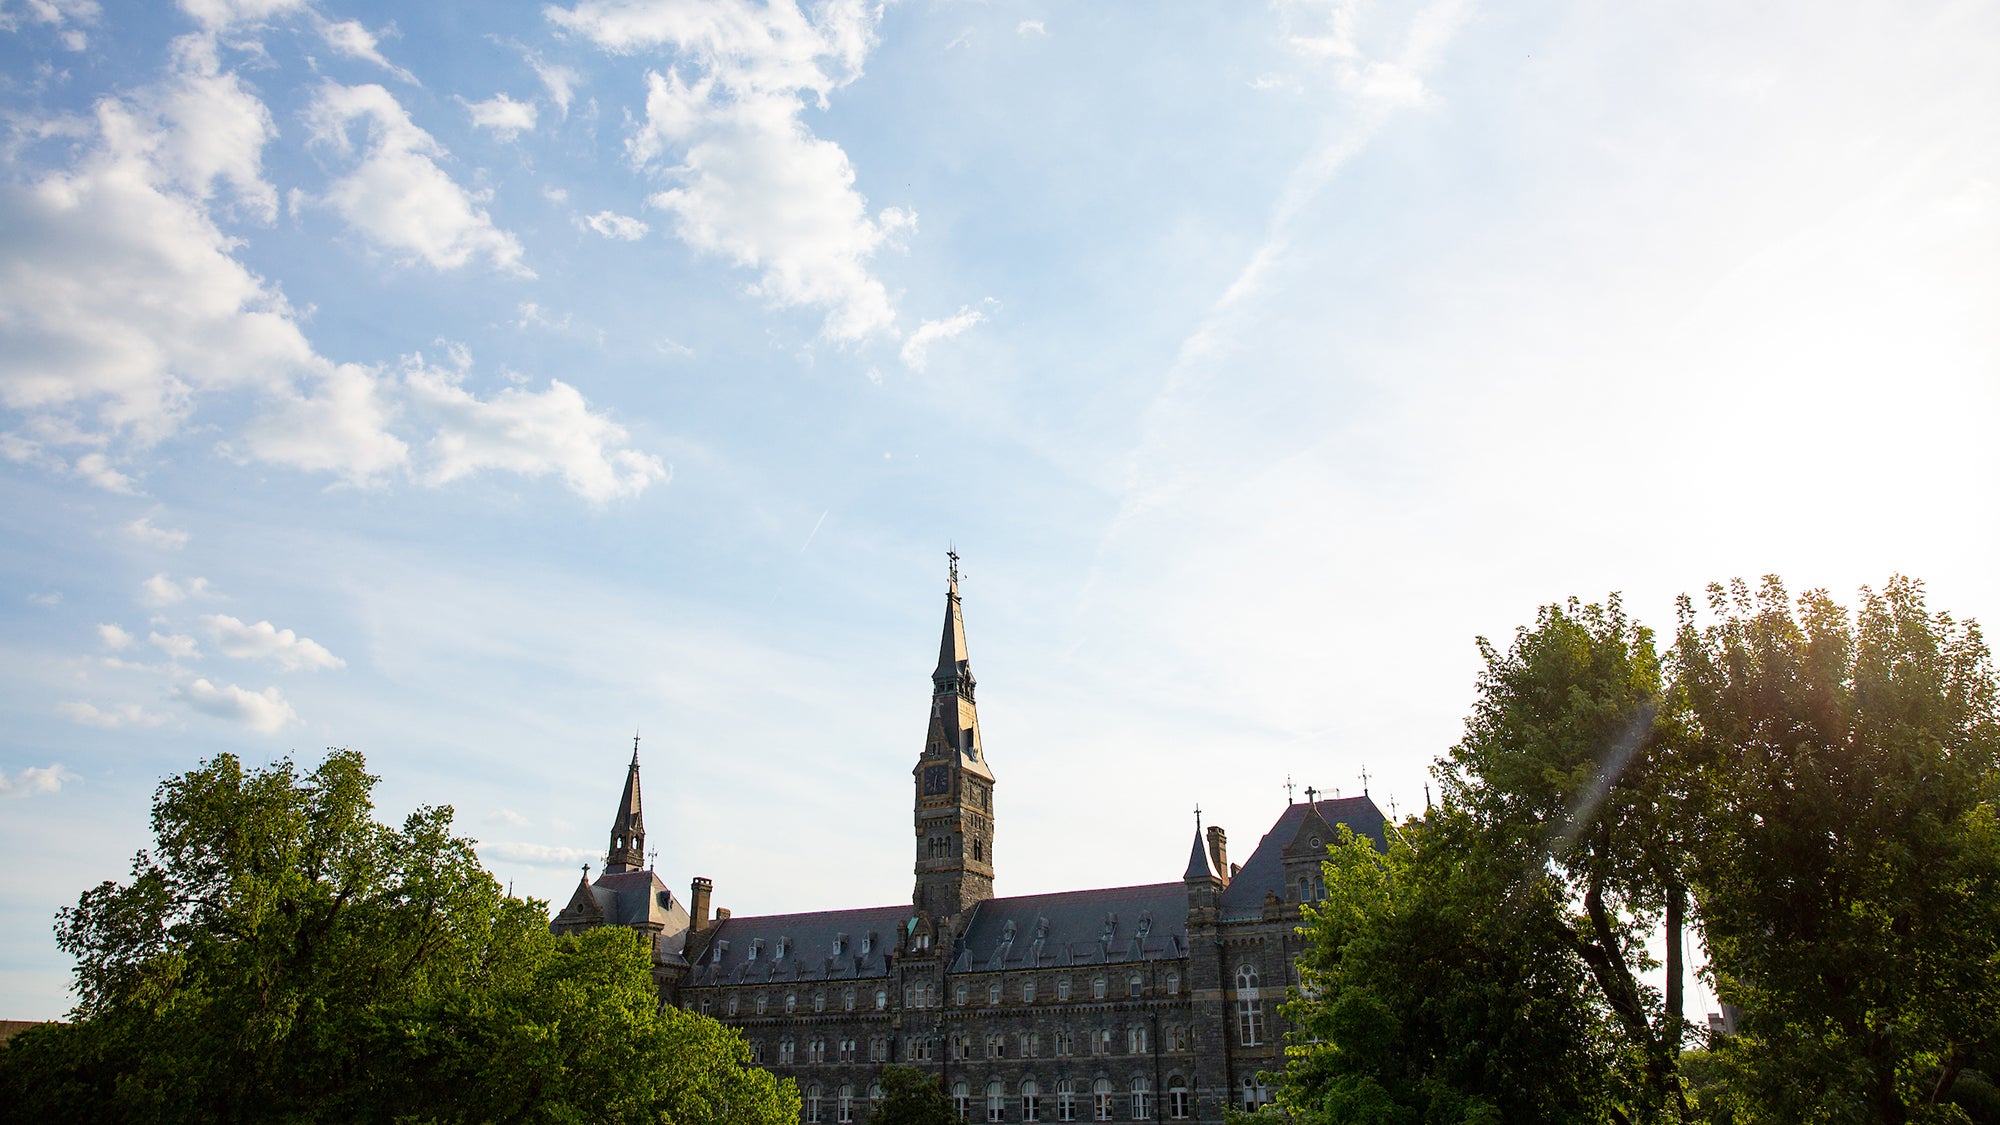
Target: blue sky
<point>472,384</point>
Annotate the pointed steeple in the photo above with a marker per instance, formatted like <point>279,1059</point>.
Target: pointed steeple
<point>954,667</point>
<point>628,826</point>
<point>1198,865</point>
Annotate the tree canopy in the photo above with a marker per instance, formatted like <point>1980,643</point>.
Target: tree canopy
<point>1815,792</point>
<point>281,956</point>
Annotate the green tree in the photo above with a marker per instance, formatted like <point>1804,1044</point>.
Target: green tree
<point>1849,877</point>
<point>911,1096</point>
<point>281,956</point>
<point>1570,761</point>
<point>1437,986</point>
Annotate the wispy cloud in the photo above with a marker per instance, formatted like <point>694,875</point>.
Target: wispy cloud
<point>265,712</point>
<point>350,39</point>
<point>160,590</point>
<point>395,193</point>
<point>264,641</point>
<point>538,855</point>
<point>142,529</point>
<point>611,224</point>
<point>916,349</point>
<point>502,116</point>
<point>118,715</point>
<point>36,779</point>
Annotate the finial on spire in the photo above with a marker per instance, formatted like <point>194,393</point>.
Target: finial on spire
<point>1364,781</point>
<point>635,746</point>
<point>1288,789</point>
<point>1310,794</point>
<point>951,552</point>
<point>1197,820</point>
<point>652,857</point>
<point>586,872</point>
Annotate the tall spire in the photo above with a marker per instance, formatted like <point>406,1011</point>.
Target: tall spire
<point>954,668</point>
<point>628,826</point>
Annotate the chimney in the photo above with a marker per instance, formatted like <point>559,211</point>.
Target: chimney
<point>698,894</point>
<point>1218,851</point>
<point>721,915</point>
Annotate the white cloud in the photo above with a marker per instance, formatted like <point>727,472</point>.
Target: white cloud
<point>754,185</point>
<point>341,426</point>
<point>503,115</point>
<point>539,855</point>
<point>68,16</point>
<point>352,40</point>
<point>527,432</point>
<point>216,15</point>
<point>611,224</point>
<point>115,638</point>
<point>1032,27</point>
<point>263,711</point>
<point>916,349</point>
<point>177,646</point>
<point>124,300</point>
<point>96,468</point>
<point>120,715</point>
<point>560,81</point>
<point>143,530</point>
<point>160,590</point>
<point>507,817</point>
<point>36,779</point>
<point>395,194</point>
<point>46,601</point>
<point>264,641</point>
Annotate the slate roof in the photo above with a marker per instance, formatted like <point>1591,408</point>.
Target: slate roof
<point>809,942</point>
<point>1098,927</point>
<point>630,898</point>
<point>1264,872</point>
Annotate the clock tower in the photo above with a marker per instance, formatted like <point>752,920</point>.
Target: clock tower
<point>954,787</point>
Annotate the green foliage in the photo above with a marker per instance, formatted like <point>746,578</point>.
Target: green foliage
<point>911,1096</point>
<point>1437,987</point>
<point>1568,763</point>
<point>281,956</point>
<point>1850,873</point>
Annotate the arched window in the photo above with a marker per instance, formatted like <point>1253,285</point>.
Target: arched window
<point>816,1052</point>
<point>1178,1103</point>
<point>813,1097</point>
<point>1142,1098</point>
<point>993,993</point>
<point>1031,1100</point>
<point>960,994</point>
<point>786,1051</point>
<point>1135,1039</point>
<point>881,999</point>
<point>1062,988</point>
<point>1134,985</point>
<point>1065,1100</point>
<point>1246,976</point>
<point>996,1101</point>
<point>844,1104</point>
<point>1028,991</point>
<point>1100,1098</point>
<point>762,1000</point>
<point>961,1096</point>
<point>819,1001</point>
<point>847,1000</point>
<point>1255,1093</point>
<point>874,1094</point>
<point>791,1002</point>
<point>732,1004</point>
<point>1173,984</point>
<point>1305,889</point>
<point>1097,988</point>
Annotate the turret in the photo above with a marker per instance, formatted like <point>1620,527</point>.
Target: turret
<point>628,826</point>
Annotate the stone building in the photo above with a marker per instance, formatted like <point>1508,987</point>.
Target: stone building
<point>1155,1002</point>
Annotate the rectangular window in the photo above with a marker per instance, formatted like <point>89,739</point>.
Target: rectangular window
<point>920,1049</point>
<point>1177,1104</point>
<point>1103,1101</point>
<point>1065,1102</point>
<point>1028,991</point>
<point>1031,1107</point>
<point>847,1050</point>
<point>1249,1022</point>
<point>1135,1040</point>
<point>1142,1100</point>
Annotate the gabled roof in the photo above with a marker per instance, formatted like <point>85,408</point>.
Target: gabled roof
<point>809,942</point>
<point>631,898</point>
<point>1264,872</point>
<point>1106,926</point>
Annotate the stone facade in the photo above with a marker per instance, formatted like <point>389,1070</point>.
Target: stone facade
<point>1156,1002</point>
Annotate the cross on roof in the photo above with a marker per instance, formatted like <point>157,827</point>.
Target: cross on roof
<point>1310,792</point>
<point>1197,818</point>
<point>1288,789</point>
<point>952,554</point>
<point>1364,781</point>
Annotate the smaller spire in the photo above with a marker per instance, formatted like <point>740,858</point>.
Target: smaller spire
<point>1199,868</point>
<point>635,746</point>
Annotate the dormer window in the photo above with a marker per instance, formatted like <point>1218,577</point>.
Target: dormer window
<point>784,946</point>
<point>839,944</point>
<point>867,943</point>
<point>721,951</point>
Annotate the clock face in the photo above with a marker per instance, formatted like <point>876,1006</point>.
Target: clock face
<point>937,779</point>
